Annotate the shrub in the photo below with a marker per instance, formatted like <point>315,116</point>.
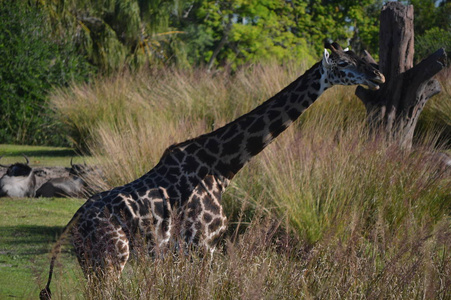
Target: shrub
<point>432,40</point>
<point>32,62</point>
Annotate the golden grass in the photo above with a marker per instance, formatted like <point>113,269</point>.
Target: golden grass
<point>364,218</point>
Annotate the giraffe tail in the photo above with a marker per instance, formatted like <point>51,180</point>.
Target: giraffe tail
<point>45,293</point>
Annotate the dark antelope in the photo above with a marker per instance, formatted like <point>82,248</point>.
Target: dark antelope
<point>18,181</point>
<point>72,185</point>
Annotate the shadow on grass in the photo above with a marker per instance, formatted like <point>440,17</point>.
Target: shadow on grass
<point>27,239</point>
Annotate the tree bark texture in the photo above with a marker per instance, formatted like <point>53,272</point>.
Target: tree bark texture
<point>393,110</point>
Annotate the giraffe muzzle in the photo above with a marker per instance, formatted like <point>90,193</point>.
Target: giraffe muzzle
<point>374,83</point>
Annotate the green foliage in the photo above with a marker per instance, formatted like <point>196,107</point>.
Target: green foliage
<point>432,26</point>
<point>431,13</point>
<point>114,34</point>
<point>32,62</point>
<point>240,32</point>
<point>430,41</point>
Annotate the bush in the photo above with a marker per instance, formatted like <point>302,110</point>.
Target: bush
<point>431,41</point>
<point>32,62</point>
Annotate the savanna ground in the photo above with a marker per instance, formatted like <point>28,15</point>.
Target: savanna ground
<point>327,211</point>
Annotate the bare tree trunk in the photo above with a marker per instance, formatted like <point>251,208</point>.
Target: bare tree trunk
<point>393,110</point>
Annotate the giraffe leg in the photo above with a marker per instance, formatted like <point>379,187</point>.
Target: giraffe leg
<point>103,253</point>
<point>203,223</point>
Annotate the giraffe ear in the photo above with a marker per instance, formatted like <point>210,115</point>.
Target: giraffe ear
<point>326,61</point>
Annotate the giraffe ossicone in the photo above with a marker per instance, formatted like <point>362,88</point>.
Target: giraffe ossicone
<point>186,186</point>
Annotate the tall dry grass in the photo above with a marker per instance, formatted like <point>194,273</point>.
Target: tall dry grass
<point>356,218</point>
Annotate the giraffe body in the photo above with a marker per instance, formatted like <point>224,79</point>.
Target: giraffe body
<point>187,184</point>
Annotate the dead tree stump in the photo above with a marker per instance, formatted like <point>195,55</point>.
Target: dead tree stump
<point>393,110</point>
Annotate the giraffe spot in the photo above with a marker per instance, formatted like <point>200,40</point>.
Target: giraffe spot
<point>127,190</point>
<point>317,74</point>
<point>276,127</point>
<point>144,209</point>
<point>293,113</point>
<point>215,240</point>
<point>184,186</point>
<point>208,182</point>
<point>205,157</point>
<point>224,169</point>
<point>212,145</point>
<point>173,173</point>
<point>158,208</point>
<point>232,146</point>
<point>235,164</point>
<point>190,164</point>
<point>215,224</point>
<point>272,114</point>
<point>207,217</point>
<point>116,200</point>
<point>193,179</point>
<point>316,85</point>
<point>169,160</point>
<point>145,224</point>
<point>192,148</point>
<point>161,169</point>
<point>303,86</point>
<point>210,205</point>
<point>188,234</point>
<point>198,226</point>
<point>196,238</point>
<point>230,132</point>
<point>280,102</point>
<point>179,155</point>
<point>312,95</point>
<point>305,104</point>
<point>254,145</point>
<point>217,194</point>
<point>203,171</point>
<point>173,193</point>
<point>257,126</point>
<point>194,203</point>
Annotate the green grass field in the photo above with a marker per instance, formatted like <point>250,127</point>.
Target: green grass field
<point>39,156</point>
<point>28,228</point>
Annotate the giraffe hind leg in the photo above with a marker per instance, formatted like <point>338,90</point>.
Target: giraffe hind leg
<point>104,254</point>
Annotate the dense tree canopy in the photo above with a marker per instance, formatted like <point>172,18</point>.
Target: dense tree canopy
<point>239,31</point>
<point>51,42</point>
<point>113,33</point>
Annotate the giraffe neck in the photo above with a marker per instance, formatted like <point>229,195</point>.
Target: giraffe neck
<point>237,142</point>
<point>212,160</point>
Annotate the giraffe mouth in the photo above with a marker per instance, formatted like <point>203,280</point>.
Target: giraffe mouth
<point>374,83</point>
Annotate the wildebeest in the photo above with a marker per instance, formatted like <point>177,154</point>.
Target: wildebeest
<point>18,181</point>
<point>68,186</point>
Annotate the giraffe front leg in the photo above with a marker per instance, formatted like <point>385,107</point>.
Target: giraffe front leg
<point>203,223</point>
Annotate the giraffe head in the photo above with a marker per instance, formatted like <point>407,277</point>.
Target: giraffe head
<point>344,67</point>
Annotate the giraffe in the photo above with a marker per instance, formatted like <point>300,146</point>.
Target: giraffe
<point>187,183</point>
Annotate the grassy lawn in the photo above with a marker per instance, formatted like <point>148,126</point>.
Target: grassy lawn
<point>39,156</point>
<point>28,229</point>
